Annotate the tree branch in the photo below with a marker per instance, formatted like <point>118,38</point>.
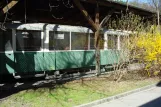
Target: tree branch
<point>106,19</point>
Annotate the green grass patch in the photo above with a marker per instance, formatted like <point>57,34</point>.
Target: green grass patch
<point>74,93</point>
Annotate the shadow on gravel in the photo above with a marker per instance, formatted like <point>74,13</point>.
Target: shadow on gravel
<point>159,84</point>
<point>12,86</point>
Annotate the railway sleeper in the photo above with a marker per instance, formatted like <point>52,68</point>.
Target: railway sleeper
<point>17,76</point>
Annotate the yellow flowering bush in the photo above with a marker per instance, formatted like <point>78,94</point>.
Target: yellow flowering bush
<point>148,47</point>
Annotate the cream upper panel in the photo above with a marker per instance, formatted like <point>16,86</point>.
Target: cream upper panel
<point>55,27</point>
<point>50,27</point>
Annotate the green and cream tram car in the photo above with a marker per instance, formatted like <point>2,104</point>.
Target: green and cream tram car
<point>38,48</point>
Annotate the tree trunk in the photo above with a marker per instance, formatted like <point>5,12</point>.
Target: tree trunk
<point>158,17</point>
<point>97,42</point>
<point>97,52</point>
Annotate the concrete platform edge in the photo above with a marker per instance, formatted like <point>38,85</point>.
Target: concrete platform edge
<point>100,101</point>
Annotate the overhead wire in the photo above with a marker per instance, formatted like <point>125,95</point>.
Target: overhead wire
<point>51,6</point>
<point>66,4</point>
<point>51,9</point>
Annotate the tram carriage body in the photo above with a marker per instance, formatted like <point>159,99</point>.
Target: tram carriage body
<point>35,48</point>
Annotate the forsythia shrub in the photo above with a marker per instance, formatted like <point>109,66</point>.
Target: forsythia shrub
<point>148,48</point>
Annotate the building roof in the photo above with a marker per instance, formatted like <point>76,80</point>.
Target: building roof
<point>62,12</point>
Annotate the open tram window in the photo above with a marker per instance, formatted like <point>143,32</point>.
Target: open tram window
<point>112,41</point>
<point>79,41</point>
<point>59,40</point>
<point>6,41</point>
<point>28,40</point>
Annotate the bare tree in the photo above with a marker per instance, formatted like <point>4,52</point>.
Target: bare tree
<point>127,52</point>
<point>156,5</point>
<point>127,4</point>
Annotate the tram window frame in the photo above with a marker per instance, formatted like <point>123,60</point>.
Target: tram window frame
<point>36,44</point>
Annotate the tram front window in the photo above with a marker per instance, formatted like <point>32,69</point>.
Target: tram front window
<point>28,40</point>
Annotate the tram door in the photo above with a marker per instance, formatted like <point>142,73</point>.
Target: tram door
<point>1,53</point>
<point>9,60</point>
<point>28,58</point>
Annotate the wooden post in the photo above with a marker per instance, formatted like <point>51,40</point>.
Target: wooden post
<point>96,26</point>
<point>97,41</point>
<point>9,6</point>
<point>85,14</point>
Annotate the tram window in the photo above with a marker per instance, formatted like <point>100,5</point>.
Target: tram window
<point>112,41</point>
<point>92,41</point>
<point>123,41</point>
<point>6,41</point>
<point>79,41</point>
<point>59,40</point>
<point>28,40</point>
<point>102,41</point>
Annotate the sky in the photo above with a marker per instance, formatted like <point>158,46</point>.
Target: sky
<point>145,1</point>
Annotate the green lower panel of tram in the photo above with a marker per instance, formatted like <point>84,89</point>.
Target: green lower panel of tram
<point>28,62</point>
